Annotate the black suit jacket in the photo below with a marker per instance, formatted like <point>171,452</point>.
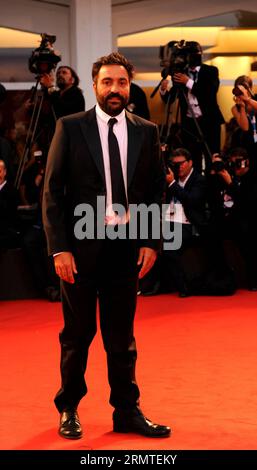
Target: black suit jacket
<point>205,89</point>
<point>75,173</point>
<point>8,207</point>
<point>192,197</point>
<point>70,102</point>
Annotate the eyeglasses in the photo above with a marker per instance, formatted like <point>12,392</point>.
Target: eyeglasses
<point>178,163</point>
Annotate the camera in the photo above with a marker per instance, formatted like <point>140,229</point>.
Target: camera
<point>236,91</point>
<point>44,58</point>
<point>176,56</point>
<point>218,166</point>
<point>173,166</point>
<point>238,164</point>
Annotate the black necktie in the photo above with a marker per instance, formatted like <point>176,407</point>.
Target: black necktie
<point>118,187</point>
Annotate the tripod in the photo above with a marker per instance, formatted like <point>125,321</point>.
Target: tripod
<point>37,98</point>
<point>195,136</point>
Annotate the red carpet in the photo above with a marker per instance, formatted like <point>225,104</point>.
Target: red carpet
<point>196,369</point>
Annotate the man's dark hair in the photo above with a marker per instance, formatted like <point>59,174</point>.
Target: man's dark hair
<point>115,58</point>
<point>73,74</point>
<point>181,151</point>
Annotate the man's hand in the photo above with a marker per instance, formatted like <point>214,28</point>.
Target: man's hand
<point>47,80</point>
<point>180,78</point>
<point>226,176</point>
<point>164,85</point>
<point>223,173</point>
<point>169,176</point>
<point>65,266</point>
<point>147,257</point>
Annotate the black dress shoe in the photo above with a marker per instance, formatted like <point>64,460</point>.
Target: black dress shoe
<point>53,294</point>
<point>183,293</point>
<point>134,421</point>
<point>70,426</point>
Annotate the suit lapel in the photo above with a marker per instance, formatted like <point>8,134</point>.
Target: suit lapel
<point>135,140</point>
<point>91,133</point>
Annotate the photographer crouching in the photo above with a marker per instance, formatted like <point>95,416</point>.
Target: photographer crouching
<point>232,202</point>
<point>186,198</point>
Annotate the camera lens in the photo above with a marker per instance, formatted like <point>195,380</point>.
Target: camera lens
<point>217,166</point>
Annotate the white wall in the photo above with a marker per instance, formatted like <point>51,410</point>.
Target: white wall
<point>37,17</point>
<point>149,14</point>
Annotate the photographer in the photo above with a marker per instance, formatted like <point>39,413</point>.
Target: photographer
<point>34,242</point>
<point>57,102</point>
<point>199,84</point>
<point>233,201</point>
<point>186,196</point>
<point>68,97</point>
<point>244,111</point>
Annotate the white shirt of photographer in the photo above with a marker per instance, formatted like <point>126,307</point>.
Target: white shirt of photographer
<point>193,101</point>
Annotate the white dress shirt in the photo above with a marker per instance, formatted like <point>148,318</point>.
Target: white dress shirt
<point>193,101</point>
<point>121,132</point>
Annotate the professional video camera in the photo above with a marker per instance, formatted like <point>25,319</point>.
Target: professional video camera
<point>176,56</point>
<point>218,166</point>
<point>238,164</point>
<point>44,58</point>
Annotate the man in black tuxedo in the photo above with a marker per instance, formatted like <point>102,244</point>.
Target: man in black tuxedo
<point>196,88</point>
<point>80,170</point>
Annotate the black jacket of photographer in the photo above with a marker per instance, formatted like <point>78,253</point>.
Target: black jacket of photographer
<point>243,191</point>
<point>205,89</point>
<point>56,105</point>
<point>71,101</point>
<point>193,199</point>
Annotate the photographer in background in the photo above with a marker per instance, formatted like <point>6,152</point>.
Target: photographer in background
<point>245,111</point>
<point>199,101</point>
<point>186,196</point>
<point>57,102</point>
<point>233,201</point>
<point>68,97</point>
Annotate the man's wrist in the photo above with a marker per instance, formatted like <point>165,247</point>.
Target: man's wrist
<point>51,89</point>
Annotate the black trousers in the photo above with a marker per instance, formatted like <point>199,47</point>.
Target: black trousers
<point>107,272</point>
<point>172,271</point>
<point>192,140</point>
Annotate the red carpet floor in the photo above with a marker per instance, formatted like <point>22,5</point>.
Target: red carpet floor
<point>197,367</point>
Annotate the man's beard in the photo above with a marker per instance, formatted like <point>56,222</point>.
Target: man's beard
<point>112,109</point>
<point>61,84</point>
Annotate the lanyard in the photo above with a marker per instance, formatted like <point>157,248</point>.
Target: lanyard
<point>253,122</point>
